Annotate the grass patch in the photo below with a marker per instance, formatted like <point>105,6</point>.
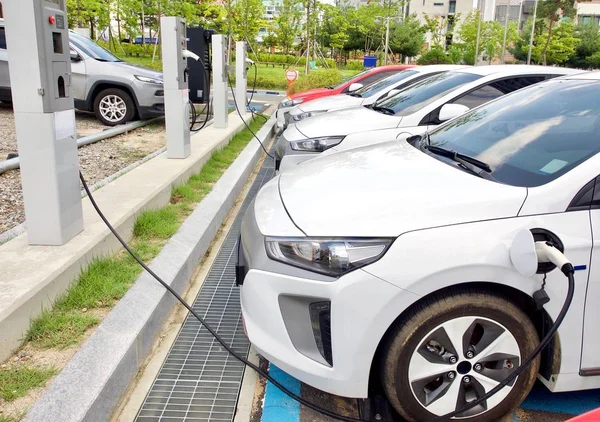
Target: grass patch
<point>106,280</point>
<point>15,383</point>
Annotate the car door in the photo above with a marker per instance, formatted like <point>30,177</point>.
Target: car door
<point>486,93</point>
<point>590,356</point>
<point>4,73</point>
<point>78,77</point>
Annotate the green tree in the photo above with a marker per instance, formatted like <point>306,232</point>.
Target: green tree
<point>491,37</point>
<point>589,44</point>
<point>436,55</point>
<point>246,18</point>
<point>287,25</point>
<point>92,14</point>
<point>408,37</point>
<point>553,11</point>
<point>435,26</point>
<point>333,30</point>
<point>559,49</point>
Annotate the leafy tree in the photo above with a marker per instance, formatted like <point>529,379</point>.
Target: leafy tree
<point>333,29</point>
<point>435,26</point>
<point>552,11</point>
<point>589,44</point>
<point>287,24</point>
<point>408,37</point>
<point>559,49</point>
<point>491,37</point>
<point>92,14</point>
<point>270,40</point>
<point>246,18</point>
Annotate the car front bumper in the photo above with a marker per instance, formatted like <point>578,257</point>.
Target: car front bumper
<point>321,330</point>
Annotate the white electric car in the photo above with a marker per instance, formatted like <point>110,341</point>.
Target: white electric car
<point>393,261</point>
<point>416,109</point>
<point>369,94</point>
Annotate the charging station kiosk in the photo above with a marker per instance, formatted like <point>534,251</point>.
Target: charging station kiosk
<point>241,74</point>
<point>175,79</point>
<point>40,74</point>
<point>199,43</point>
<point>220,103</point>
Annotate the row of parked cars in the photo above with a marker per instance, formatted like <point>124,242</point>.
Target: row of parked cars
<point>379,255</point>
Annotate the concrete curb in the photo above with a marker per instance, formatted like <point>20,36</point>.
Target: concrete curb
<point>90,386</point>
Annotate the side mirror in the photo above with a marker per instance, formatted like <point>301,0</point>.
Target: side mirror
<point>75,57</point>
<point>522,253</point>
<point>355,86</point>
<point>392,92</point>
<point>450,111</point>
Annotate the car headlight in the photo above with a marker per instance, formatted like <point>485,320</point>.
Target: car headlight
<point>316,144</point>
<point>291,103</point>
<point>306,115</point>
<point>333,257</point>
<point>149,80</point>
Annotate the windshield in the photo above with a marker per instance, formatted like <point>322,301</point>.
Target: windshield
<point>345,81</point>
<point>378,86</point>
<point>92,49</point>
<point>532,136</point>
<point>421,94</point>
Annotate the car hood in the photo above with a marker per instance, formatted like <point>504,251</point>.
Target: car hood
<point>389,189</point>
<point>135,69</point>
<point>312,93</point>
<point>330,103</point>
<point>345,122</point>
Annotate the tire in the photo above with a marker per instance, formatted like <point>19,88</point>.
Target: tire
<point>113,107</point>
<point>417,379</point>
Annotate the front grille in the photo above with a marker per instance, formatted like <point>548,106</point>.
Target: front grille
<point>320,318</point>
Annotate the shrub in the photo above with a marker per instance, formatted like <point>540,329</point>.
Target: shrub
<point>355,65</point>
<point>316,79</point>
<point>434,56</point>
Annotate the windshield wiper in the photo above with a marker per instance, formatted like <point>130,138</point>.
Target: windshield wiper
<point>459,158</point>
<point>384,110</point>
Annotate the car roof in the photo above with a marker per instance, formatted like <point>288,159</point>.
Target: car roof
<point>594,76</point>
<point>512,69</point>
<point>439,68</point>
<point>392,67</point>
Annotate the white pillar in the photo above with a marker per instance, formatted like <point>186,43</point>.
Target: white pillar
<point>220,82</point>
<point>40,74</point>
<point>241,77</point>
<point>177,108</point>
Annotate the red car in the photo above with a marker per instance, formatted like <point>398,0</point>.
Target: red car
<point>593,416</point>
<point>364,78</point>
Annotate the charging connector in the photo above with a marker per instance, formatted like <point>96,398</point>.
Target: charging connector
<point>546,252</point>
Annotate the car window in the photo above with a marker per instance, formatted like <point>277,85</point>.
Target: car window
<point>2,38</point>
<point>377,76</point>
<point>375,87</point>
<point>531,136</point>
<point>92,49</point>
<point>345,81</point>
<point>496,89</point>
<point>415,97</point>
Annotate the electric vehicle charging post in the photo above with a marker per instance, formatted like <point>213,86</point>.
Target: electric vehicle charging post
<point>241,73</point>
<point>40,73</point>
<point>220,106</point>
<point>175,74</point>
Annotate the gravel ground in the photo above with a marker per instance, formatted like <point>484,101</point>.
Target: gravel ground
<point>96,161</point>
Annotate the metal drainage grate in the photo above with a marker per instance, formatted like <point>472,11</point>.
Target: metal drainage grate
<point>199,380</point>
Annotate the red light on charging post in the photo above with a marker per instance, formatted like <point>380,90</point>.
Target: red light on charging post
<point>52,19</point>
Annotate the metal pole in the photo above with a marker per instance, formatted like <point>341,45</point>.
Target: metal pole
<point>387,41</point>
<point>505,30</point>
<point>478,34</point>
<point>532,32</point>
<point>307,64</point>
<point>520,15</point>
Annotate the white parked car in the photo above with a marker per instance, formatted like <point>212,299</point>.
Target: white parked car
<point>369,94</point>
<point>391,261</point>
<point>415,110</point>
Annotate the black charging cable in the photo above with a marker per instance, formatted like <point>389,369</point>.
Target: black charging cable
<point>207,109</point>
<point>252,111</point>
<point>242,117</point>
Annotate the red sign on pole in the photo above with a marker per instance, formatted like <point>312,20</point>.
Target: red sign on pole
<point>291,75</point>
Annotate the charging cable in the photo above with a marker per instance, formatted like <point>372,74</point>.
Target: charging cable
<point>242,117</point>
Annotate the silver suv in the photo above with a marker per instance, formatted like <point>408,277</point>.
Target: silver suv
<point>113,89</point>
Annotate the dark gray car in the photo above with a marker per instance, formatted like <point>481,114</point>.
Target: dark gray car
<point>114,90</point>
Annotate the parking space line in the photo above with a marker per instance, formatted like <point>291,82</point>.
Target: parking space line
<point>277,406</point>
